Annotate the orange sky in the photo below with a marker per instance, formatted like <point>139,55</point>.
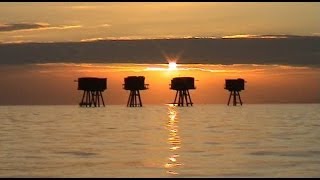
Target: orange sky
<point>54,83</point>
<point>55,24</point>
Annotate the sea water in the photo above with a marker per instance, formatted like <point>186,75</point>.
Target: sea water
<point>266,140</point>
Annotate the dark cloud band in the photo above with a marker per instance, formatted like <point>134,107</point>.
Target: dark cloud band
<point>301,51</point>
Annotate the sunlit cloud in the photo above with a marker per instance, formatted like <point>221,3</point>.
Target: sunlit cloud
<point>110,38</point>
<point>144,38</point>
<point>33,27</point>
<point>16,42</point>
<point>205,37</point>
<point>57,27</point>
<point>155,69</point>
<point>92,39</point>
<point>83,7</point>
<point>98,26</point>
<point>105,25</point>
<point>170,37</point>
<point>18,36</point>
<point>131,67</point>
<point>128,38</point>
<point>254,36</point>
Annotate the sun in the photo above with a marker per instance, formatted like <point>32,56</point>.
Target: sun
<point>172,65</point>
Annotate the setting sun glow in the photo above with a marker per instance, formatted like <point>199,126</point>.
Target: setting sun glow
<point>172,65</point>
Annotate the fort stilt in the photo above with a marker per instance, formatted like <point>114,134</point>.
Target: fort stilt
<point>92,98</point>
<point>234,86</point>
<point>92,91</point>
<point>235,94</point>
<point>134,84</point>
<point>134,99</point>
<point>182,86</point>
<point>183,98</point>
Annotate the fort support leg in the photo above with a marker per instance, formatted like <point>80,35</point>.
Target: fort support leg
<point>81,103</point>
<point>186,97</point>
<point>87,99</point>
<point>129,99</point>
<point>174,102</point>
<point>181,97</point>
<point>189,98</point>
<point>102,98</point>
<point>92,99</point>
<point>98,98</point>
<point>239,98</point>
<point>135,98</point>
<point>140,102</point>
<point>234,98</point>
<point>132,99</point>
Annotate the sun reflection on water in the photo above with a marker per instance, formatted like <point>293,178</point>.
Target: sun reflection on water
<point>174,140</point>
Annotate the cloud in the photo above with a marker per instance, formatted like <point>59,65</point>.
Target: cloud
<point>105,25</point>
<point>92,39</point>
<point>15,42</point>
<point>144,38</point>
<point>83,7</point>
<point>21,26</point>
<point>296,51</point>
<point>60,27</point>
<point>169,37</point>
<point>255,36</point>
<point>278,36</point>
<point>60,68</point>
<point>33,27</point>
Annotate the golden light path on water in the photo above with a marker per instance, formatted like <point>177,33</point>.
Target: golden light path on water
<point>174,140</point>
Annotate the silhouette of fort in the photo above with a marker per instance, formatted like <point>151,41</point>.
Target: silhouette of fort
<point>182,86</point>
<point>134,84</point>
<point>234,86</point>
<point>92,88</point>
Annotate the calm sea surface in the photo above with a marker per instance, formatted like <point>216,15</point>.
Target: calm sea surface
<point>160,141</point>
